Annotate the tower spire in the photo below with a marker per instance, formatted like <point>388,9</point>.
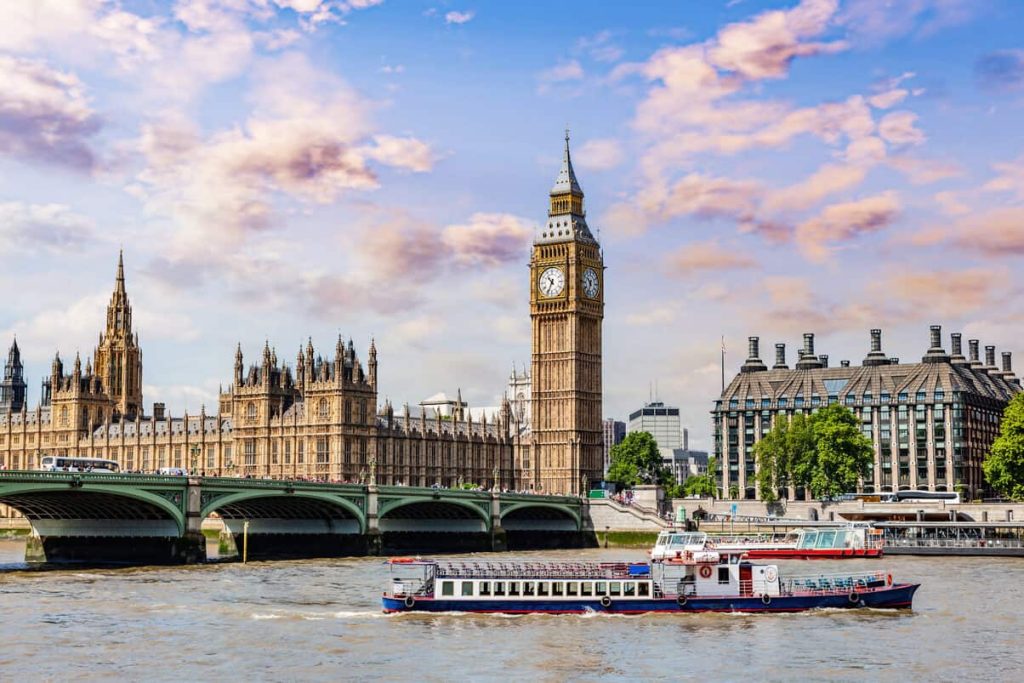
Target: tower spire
<point>120,272</point>
<point>566,182</point>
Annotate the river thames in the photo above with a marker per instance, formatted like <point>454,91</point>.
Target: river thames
<point>321,620</point>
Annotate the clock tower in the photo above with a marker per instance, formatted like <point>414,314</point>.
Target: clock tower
<point>566,310</point>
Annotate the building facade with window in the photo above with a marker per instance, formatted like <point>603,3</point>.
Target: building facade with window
<point>932,423</point>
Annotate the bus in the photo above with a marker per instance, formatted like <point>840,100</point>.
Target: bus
<point>66,463</point>
<point>923,497</point>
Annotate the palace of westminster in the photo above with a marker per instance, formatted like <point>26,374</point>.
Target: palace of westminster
<point>321,418</point>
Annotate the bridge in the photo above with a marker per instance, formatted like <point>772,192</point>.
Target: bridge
<point>135,518</point>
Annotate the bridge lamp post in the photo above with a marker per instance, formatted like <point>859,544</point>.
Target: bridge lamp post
<point>194,457</point>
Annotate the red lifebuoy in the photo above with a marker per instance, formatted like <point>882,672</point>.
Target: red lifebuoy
<point>402,560</point>
<point>888,580</point>
<point>705,571</point>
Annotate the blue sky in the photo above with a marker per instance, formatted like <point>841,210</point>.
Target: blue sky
<point>284,169</point>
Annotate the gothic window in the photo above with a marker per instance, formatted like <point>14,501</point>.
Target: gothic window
<point>177,456</point>
<point>273,453</point>
<point>211,458</point>
<point>348,451</point>
<point>301,453</point>
<point>348,410</point>
<point>250,411</point>
<point>250,453</point>
<point>64,416</point>
<point>362,411</point>
<point>362,449</point>
<point>323,409</point>
<point>322,451</point>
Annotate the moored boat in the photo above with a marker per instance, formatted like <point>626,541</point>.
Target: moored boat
<point>708,582</point>
<point>807,543</point>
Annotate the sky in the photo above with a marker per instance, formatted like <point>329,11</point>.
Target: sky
<point>277,170</point>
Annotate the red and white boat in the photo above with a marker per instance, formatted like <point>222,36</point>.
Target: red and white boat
<point>832,543</point>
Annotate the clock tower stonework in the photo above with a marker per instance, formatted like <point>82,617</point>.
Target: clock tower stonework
<point>566,310</point>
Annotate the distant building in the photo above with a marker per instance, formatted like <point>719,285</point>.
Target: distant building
<point>685,463</point>
<point>12,389</point>
<point>614,433</point>
<point>660,421</point>
<point>518,394</point>
<point>932,423</point>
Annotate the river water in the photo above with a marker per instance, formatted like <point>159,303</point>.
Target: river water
<point>321,620</point>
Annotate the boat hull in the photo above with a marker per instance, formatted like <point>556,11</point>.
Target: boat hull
<point>899,596</point>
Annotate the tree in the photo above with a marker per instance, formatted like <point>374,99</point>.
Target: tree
<point>702,484</point>
<point>1004,466</point>
<point>637,460</point>
<point>842,453</point>
<point>770,453</point>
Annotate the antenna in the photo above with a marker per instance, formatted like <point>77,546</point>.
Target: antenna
<point>723,363</point>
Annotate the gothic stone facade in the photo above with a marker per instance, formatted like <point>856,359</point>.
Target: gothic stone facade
<point>932,423</point>
<point>321,419</point>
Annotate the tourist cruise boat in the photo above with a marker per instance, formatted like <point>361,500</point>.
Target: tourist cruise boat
<point>854,540</point>
<point>702,580</point>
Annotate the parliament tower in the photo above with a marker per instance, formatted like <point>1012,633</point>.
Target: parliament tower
<point>566,310</point>
<point>118,358</point>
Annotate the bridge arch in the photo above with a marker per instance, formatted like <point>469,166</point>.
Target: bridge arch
<point>535,515</point>
<point>434,514</point>
<point>40,502</point>
<point>295,505</point>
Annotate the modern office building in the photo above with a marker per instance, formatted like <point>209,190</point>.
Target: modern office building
<point>660,421</point>
<point>614,433</point>
<point>932,423</point>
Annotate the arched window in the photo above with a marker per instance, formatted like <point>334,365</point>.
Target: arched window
<point>64,416</point>
<point>323,409</point>
<point>250,411</point>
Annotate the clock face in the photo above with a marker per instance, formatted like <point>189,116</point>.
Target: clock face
<point>552,282</point>
<point>590,284</point>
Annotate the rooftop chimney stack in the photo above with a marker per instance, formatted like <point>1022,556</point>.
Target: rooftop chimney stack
<point>990,358</point>
<point>875,356</point>
<point>935,354</point>
<point>972,346</point>
<point>808,360</point>
<point>754,362</point>
<point>824,360</point>
<point>894,360</point>
<point>1007,363</point>
<point>957,356</point>
<point>780,357</point>
<point>844,363</point>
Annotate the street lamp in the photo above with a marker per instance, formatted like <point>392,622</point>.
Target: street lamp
<point>195,457</point>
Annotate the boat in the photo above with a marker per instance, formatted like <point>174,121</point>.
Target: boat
<point>850,541</point>
<point>702,580</point>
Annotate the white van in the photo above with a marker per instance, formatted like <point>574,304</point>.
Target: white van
<point>172,472</point>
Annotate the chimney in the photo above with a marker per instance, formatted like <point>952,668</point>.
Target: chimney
<point>935,354</point>
<point>990,358</point>
<point>875,356</point>
<point>1007,362</point>
<point>844,363</point>
<point>158,411</point>
<point>754,362</point>
<point>972,346</point>
<point>824,360</point>
<point>957,356</point>
<point>807,359</point>
<point>780,358</point>
<point>894,360</point>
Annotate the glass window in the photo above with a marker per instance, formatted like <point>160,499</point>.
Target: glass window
<point>614,588</point>
<point>629,589</point>
<point>542,588</point>
<point>499,588</point>
<point>557,589</point>
<point>572,588</point>
<point>643,589</point>
<point>586,588</point>
<point>485,588</point>
<point>448,588</point>
<point>513,588</point>
<point>529,588</point>
<point>826,539</point>
<point>723,575</point>
<point>467,589</point>
<point>600,588</point>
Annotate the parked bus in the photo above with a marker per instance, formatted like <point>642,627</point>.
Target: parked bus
<point>923,497</point>
<point>64,463</point>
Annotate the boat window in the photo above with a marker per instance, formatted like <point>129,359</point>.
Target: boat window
<point>572,588</point>
<point>485,588</point>
<point>735,559</point>
<point>529,588</point>
<point>556,588</point>
<point>586,588</point>
<point>542,588</point>
<point>723,575</point>
<point>614,588</point>
<point>662,540</point>
<point>826,539</point>
<point>447,588</point>
<point>644,589</point>
<point>629,589</point>
<point>499,588</point>
<point>513,588</point>
<point>808,539</point>
<point>467,589</point>
<point>600,588</point>
<point>723,558</point>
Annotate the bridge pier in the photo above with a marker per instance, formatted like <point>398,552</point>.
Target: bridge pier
<point>499,539</point>
<point>188,549</point>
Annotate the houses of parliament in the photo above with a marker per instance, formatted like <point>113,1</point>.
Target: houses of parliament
<point>320,418</point>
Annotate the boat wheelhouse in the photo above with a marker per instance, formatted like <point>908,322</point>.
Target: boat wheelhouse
<point>699,581</point>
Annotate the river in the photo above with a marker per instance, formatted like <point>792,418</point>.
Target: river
<point>321,620</point>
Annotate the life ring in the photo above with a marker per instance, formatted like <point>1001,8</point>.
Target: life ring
<point>705,572</point>
<point>409,601</point>
<point>888,580</point>
<point>402,560</point>
<point>854,597</point>
<point>606,602</point>
<point>681,601</point>
<point>766,599</point>
<point>770,574</point>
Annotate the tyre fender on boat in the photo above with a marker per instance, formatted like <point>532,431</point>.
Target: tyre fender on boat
<point>606,602</point>
<point>409,601</point>
<point>766,599</point>
<point>854,597</point>
<point>681,601</point>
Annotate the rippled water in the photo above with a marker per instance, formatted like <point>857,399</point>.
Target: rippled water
<point>320,620</point>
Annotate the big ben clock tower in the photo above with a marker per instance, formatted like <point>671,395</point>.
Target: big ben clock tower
<point>566,310</point>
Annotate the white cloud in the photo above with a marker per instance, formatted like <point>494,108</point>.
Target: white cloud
<point>48,227</point>
<point>455,17</point>
<point>600,154</point>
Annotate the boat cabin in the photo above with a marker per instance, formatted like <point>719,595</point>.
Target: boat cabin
<point>710,572</point>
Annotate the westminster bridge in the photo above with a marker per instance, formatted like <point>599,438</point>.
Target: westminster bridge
<point>137,518</point>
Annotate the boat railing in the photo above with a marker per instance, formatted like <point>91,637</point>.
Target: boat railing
<point>538,570</point>
<point>955,543</point>
<point>832,583</point>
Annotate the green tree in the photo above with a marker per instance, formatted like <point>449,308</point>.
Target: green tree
<point>801,450</point>
<point>702,484</point>
<point>842,453</point>
<point>771,455</point>
<point>636,460</point>
<point>1004,466</point>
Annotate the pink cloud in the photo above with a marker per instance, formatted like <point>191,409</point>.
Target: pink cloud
<point>899,128</point>
<point>698,257</point>
<point>946,293</point>
<point>845,222</point>
<point>997,233</point>
<point>488,239</point>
